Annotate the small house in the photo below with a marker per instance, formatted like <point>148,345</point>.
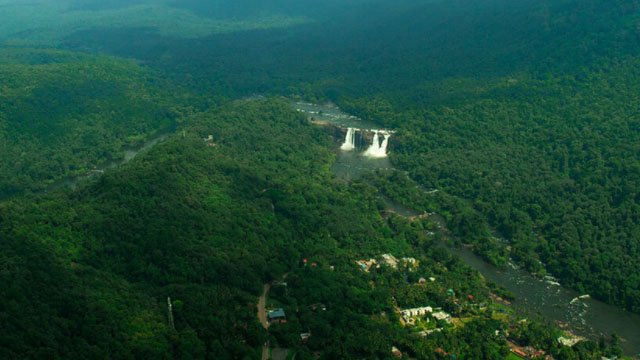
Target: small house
<point>304,337</point>
<point>519,353</point>
<point>396,352</point>
<point>276,314</point>
<point>390,260</point>
<point>443,316</point>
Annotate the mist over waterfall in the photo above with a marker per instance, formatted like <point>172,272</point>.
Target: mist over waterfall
<point>377,150</point>
<point>349,140</point>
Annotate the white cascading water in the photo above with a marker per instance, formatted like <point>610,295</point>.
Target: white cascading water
<point>349,140</point>
<point>377,150</point>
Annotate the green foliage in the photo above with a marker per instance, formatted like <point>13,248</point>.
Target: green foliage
<point>186,220</point>
<point>49,23</point>
<point>522,114</point>
<point>548,165</point>
<point>63,114</point>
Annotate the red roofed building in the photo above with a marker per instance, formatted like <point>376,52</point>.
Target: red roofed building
<point>519,353</point>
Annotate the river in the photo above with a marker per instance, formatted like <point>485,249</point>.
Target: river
<point>588,317</point>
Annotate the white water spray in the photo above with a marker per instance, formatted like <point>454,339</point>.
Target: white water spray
<point>349,140</point>
<point>377,150</point>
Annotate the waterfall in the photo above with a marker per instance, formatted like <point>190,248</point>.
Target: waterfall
<point>349,140</point>
<point>377,150</point>
<point>385,142</point>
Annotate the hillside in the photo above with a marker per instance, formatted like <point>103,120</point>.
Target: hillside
<point>185,221</point>
<point>66,113</point>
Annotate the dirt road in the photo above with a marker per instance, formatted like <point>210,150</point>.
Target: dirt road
<point>262,314</point>
<point>262,304</point>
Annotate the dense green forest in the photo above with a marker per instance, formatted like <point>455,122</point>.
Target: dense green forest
<point>66,113</point>
<point>88,271</point>
<point>524,115</point>
<point>552,164</point>
<point>409,44</point>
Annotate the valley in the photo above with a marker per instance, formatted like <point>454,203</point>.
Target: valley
<point>320,180</point>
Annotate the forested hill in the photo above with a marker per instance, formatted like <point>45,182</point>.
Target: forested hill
<point>88,272</point>
<point>65,113</point>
